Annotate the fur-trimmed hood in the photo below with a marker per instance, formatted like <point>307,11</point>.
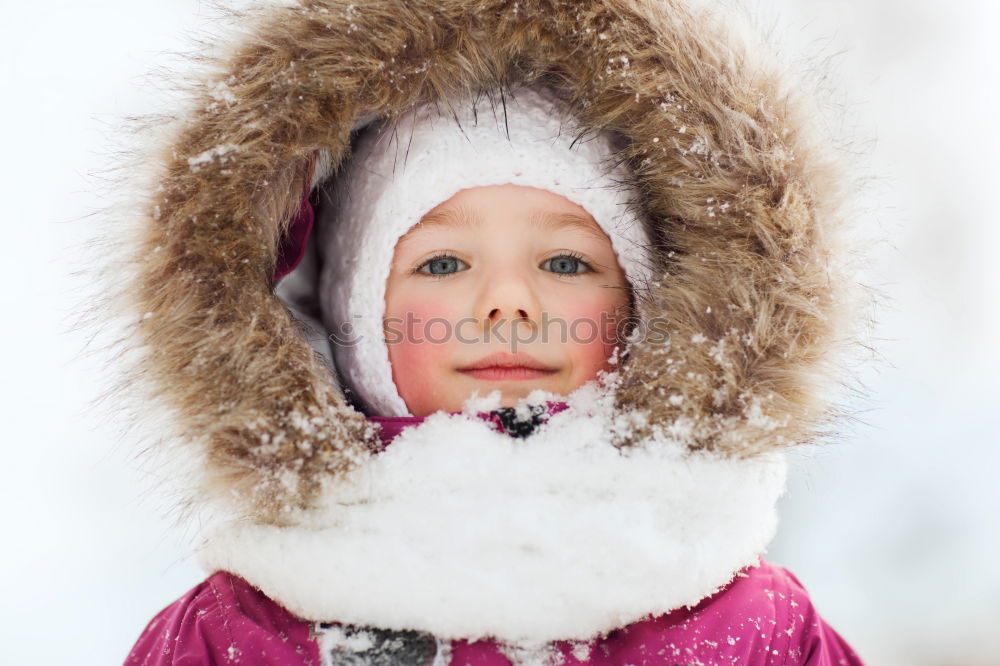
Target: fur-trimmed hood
<point>743,202</point>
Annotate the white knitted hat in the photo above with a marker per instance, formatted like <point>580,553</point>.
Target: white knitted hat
<point>394,178</point>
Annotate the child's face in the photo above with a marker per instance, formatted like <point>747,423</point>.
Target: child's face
<point>498,269</point>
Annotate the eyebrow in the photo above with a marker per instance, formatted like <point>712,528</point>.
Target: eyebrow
<point>571,221</point>
<point>458,217</point>
<point>545,220</point>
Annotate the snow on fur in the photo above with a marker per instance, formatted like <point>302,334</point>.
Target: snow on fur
<point>740,187</point>
<point>464,532</point>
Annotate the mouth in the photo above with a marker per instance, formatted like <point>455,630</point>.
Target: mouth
<point>508,367</point>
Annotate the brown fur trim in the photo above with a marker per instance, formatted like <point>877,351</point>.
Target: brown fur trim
<point>743,204</point>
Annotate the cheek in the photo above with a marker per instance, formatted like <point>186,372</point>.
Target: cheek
<point>418,338</point>
<point>591,325</point>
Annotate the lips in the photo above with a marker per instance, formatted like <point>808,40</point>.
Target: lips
<point>502,366</point>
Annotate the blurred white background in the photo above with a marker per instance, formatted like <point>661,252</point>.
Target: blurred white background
<point>893,529</point>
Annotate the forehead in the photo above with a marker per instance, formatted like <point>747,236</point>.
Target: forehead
<point>463,216</point>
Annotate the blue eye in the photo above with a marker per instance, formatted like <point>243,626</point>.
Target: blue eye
<point>567,264</point>
<point>441,265</point>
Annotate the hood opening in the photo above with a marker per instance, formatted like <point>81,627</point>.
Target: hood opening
<point>299,262</point>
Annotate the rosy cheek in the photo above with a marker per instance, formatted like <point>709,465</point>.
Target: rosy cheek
<point>418,340</point>
<point>591,331</point>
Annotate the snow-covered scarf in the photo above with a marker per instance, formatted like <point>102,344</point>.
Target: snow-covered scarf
<point>465,532</point>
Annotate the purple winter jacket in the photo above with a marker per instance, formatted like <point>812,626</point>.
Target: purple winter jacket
<point>763,617</point>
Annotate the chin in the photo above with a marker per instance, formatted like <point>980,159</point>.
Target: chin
<point>510,391</point>
<point>510,396</point>
<point>508,400</point>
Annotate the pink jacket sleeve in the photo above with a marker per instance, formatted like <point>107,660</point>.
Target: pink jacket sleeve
<point>764,617</point>
<point>819,644</point>
<point>224,620</point>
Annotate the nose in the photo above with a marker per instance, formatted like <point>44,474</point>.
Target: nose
<point>509,296</point>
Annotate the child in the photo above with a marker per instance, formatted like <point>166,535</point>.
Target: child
<point>561,383</point>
